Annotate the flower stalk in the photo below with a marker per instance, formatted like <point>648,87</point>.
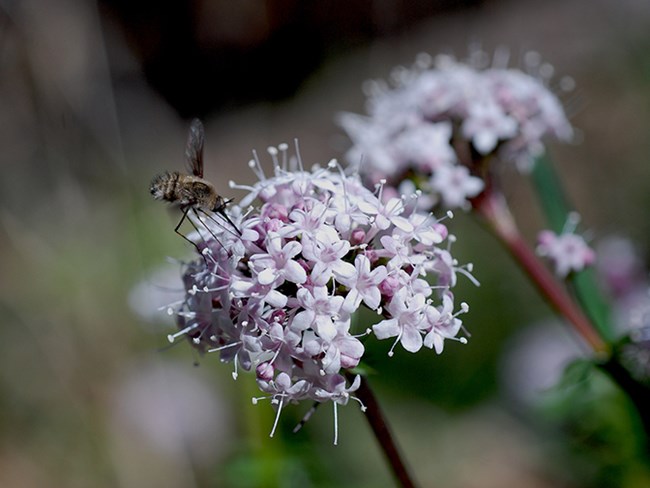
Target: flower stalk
<point>493,208</point>
<point>382,433</point>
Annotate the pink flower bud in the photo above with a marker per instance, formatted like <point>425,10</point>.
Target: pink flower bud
<point>389,286</point>
<point>275,211</point>
<point>358,236</point>
<point>265,371</point>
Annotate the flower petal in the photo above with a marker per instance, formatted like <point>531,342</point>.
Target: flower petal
<point>411,339</point>
<point>386,328</point>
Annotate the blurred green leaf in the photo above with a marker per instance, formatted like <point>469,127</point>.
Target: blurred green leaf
<point>602,444</point>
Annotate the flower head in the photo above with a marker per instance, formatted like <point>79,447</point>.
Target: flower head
<point>277,296</point>
<point>442,116</point>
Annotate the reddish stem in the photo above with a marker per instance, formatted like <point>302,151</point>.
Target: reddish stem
<point>494,209</point>
<point>382,432</point>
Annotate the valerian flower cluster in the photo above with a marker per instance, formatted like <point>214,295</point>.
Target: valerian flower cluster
<point>276,295</point>
<point>434,121</point>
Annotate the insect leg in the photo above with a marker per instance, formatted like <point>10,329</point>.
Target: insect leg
<point>306,418</point>
<point>185,210</point>
<point>221,210</point>
<point>196,212</point>
<point>220,224</point>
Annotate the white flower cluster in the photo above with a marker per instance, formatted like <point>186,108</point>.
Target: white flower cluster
<point>436,119</point>
<point>276,295</point>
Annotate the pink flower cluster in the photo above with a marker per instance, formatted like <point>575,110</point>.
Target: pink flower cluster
<point>434,120</point>
<point>277,294</point>
<point>568,252</point>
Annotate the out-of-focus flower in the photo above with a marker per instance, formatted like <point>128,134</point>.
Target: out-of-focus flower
<point>170,409</point>
<point>276,295</point>
<point>568,251</point>
<point>534,361</point>
<point>620,267</point>
<point>444,114</point>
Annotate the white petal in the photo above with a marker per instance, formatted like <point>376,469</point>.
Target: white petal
<point>402,224</point>
<point>352,301</point>
<point>291,249</point>
<point>372,297</point>
<point>411,339</point>
<point>438,343</point>
<point>386,328</point>
<point>276,299</point>
<point>326,329</point>
<point>366,207</point>
<point>343,270</point>
<point>294,272</point>
<point>303,320</point>
<point>484,141</point>
<point>351,347</point>
<point>267,276</point>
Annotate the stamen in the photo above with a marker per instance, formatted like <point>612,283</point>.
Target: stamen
<point>532,60</point>
<point>380,188</point>
<point>501,57</point>
<point>572,221</point>
<point>336,424</point>
<point>546,72</point>
<point>298,157</point>
<point>237,186</point>
<point>172,337</point>
<point>469,276</point>
<point>361,404</point>
<point>284,147</point>
<point>227,346</point>
<point>273,152</point>
<point>255,400</point>
<point>256,166</point>
<point>277,416</point>
<point>235,361</point>
<point>391,353</point>
<point>169,307</point>
<point>423,61</point>
<point>187,315</point>
<point>368,331</point>
<point>567,84</point>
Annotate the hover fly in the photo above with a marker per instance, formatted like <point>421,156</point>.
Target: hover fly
<point>191,191</point>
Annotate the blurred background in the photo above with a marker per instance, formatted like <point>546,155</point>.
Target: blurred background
<point>96,98</point>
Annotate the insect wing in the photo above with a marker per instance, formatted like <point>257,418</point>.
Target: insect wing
<point>194,148</point>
